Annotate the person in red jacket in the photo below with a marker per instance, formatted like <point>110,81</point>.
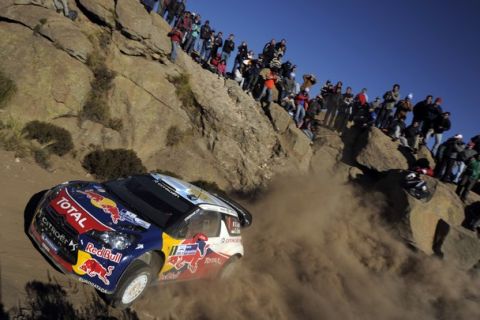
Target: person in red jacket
<point>176,36</point>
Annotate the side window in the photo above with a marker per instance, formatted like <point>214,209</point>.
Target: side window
<point>206,222</point>
<point>233,225</point>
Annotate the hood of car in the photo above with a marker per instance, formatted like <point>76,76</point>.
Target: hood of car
<point>88,206</point>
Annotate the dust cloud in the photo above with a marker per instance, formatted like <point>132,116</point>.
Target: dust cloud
<point>320,250</point>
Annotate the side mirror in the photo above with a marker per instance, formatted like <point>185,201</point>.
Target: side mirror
<point>200,237</point>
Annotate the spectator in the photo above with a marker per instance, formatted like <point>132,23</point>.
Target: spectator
<point>404,106</point>
<point>410,139</point>
<point>287,68</point>
<point>476,143</point>
<point>390,99</point>
<point>176,36</point>
<point>397,127</point>
<point>270,81</point>
<point>288,85</point>
<point>205,34</point>
<point>184,23</point>
<point>238,76</point>
<point>194,34</point>
<point>228,48</point>
<point>314,107</point>
<point>301,102</point>
<point>376,104</point>
<point>163,7</point>
<point>433,111</point>
<point>463,158</point>
<point>180,11</point>
<point>364,118</point>
<point>469,177</point>
<point>254,75</point>
<point>360,102</point>
<point>440,125</point>
<point>208,44</point>
<point>307,128</point>
<point>327,89</point>
<point>62,5</point>
<point>242,55</point>
<point>420,110</point>
<point>344,111</point>
<point>281,48</point>
<point>222,68</point>
<point>268,52</point>
<point>288,103</point>
<point>332,104</point>
<point>217,43</point>
<point>447,157</point>
<point>172,11</point>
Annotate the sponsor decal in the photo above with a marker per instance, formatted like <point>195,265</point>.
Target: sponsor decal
<point>103,253</point>
<point>170,276</point>
<point>95,269</point>
<point>75,215</point>
<point>232,240</point>
<point>188,255</point>
<point>110,207</point>
<point>47,226</point>
<point>213,261</point>
<point>96,286</point>
<point>233,225</point>
<point>72,245</point>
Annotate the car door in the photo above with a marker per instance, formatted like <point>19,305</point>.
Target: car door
<point>194,255</point>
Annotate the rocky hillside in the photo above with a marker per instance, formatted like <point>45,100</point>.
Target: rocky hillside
<point>107,80</point>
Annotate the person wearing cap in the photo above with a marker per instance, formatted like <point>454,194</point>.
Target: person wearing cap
<point>440,125</point>
<point>469,178</point>
<point>447,156</point>
<point>360,102</point>
<point>390,99</point>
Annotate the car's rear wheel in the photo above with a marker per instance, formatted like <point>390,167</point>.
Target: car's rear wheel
<point>133,284</point>
<point>229,268</point>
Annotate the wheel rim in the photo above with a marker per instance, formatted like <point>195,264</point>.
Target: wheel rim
<point>135,288</point>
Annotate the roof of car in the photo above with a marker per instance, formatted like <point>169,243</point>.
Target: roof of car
<point>196,195</point>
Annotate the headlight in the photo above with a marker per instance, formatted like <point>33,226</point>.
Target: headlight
<point>113,240</point>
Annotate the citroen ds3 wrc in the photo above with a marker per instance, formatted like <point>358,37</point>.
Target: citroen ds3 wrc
<point>121,235</point>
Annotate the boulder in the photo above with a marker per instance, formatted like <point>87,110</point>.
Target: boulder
<point>376,151</point>
<point>50,83</point>
<point>458,245</point>
<point>281,118</point>
<point>60,30</point>
<point>425,153</point>
<point>417,220</point>
<point>103,10</point>
<point>134,20</point>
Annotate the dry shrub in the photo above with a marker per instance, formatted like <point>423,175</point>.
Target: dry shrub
<point>113,163</point>
<point>183,89</point>
<point>58,139</point>
<point>174,136</point>
<point>7,89</point>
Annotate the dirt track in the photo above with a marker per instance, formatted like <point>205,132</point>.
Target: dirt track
<point>310,255</point>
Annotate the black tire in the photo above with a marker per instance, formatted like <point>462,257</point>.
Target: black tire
<point>229,268</point>
<point>137,269</point>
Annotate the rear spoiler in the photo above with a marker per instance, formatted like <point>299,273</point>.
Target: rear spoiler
<point>244,215</point>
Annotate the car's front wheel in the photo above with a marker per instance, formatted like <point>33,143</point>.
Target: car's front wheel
<point>133,284</point>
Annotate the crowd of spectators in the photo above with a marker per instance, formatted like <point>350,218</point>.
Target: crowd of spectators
<point>267,77</point>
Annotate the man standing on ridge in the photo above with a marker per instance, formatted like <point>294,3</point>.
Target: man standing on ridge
<point>228,48</point>
<point>217,44</point>
<point>390,99</point>
<point>420,110</point>
<point>469,178</point>
<point>433,112</point>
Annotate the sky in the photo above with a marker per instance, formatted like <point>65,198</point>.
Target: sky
<point>427,46</point>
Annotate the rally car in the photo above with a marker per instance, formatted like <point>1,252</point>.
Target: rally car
<point>121,235</point>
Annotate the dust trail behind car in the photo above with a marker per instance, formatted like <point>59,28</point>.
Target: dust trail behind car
<point>318,249</point>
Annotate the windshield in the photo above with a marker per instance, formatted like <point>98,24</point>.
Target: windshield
<point>151,199</point>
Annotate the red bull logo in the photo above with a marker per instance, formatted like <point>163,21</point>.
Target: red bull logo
<point>107,205</point>
<point>188,255</point>
<point>93,268</point>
